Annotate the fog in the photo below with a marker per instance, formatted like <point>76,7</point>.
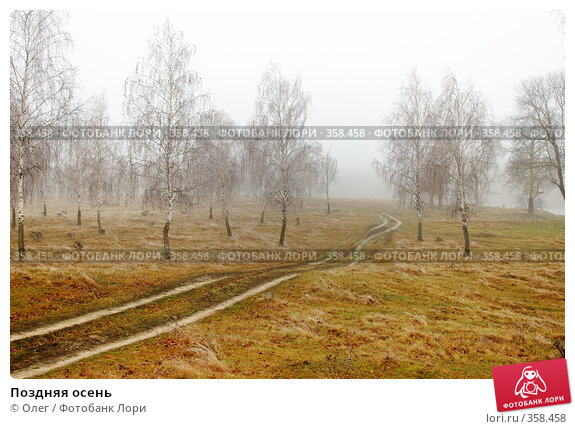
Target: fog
<point>351,63</point>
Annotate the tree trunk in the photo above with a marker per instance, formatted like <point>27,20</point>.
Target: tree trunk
<point>79,219</point>
<point>21,246</point>
<point>13,224</point>
<point>561,182</point>
<point>167,241</point>
<point>467,251</point>
<point>327,197</point>
<point>167,228</point>
<point>45,211</point>
<point>299,211</point>
<point>418,209</point>
<point>99,210</point>
<point>228,229</point>
<point>100,231</point>
<point>284,225</point>
<point>464,209</point>
<point>262,217</point>
<point>419,226</point>
<point>211,211</point>
<point>530,206</point>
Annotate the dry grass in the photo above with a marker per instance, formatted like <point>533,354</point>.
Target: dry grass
<point>370,321</point>
<point>398,320</point>
<point>489,228</point>
<point>198,354</point>
<point>41,293</point>
<point>137,228</point>
<point>45,293</point>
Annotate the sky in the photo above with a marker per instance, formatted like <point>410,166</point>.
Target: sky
<point>351,63</point>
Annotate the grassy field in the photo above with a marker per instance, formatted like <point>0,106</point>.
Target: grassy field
<point>367,320</point>
<point>490,227</point>
<point>45,293</point>
<point>135,228</point>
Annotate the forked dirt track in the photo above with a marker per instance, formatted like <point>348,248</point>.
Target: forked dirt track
<point>40,369</point>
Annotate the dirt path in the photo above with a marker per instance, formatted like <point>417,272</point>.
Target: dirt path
<point>37,370</point>
<point>109,311</point>
<point>378,231</point>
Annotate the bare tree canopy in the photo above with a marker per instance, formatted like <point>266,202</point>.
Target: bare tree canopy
<point>282,103</point>
<point>328,176</point>
<point>541,103</point>
<point>101,155</point>
<point>470,160</point>
<point>175,170</point>
<point>222,167</point>
<point>164,92</point>
<point>405,161</point>
<point>41,90</point>
<point>527,170</point>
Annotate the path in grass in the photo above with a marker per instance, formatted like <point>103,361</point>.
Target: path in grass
<point>378,230</point>
<point>38,368</point>
<point>108,311</point>
<point>35,371</point>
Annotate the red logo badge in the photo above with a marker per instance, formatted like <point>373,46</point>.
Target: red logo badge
<point>533,384</point>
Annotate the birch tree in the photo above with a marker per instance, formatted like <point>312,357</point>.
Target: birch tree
<point>283,104</point>
<point>41,90</point>
<point>163,92</point>
<point>74,169</point>
<point>100,153</point>
<point>328,176</point>
<point>308,178</point>
<point>260,173</point>
<point>436,180</point>
<point>405,161</point>
<point>464,109</point>
<point>223,167</point>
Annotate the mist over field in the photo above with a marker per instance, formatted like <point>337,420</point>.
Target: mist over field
<point>186,249</point>
<point>353,76</point>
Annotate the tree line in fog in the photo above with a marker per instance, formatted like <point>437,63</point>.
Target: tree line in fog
<point>168,173</point>
<point>457,171</point>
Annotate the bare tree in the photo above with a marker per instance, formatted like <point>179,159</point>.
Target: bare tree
<point>463,108</point>
<point>13,189</point>
<point>527,169</point>
<point>100,154</point>
<point>541,102</point>
<point>130,168</point>
<point>328,176</point>
<point>260,173</point>
<point>74,168</point>
<point>165,93</point>
<point>282,103</point>
<point>406,161</point>
<point>308,177</point>
<point>223,167</point>
<point>41,89</point>
<point>436,180</point>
